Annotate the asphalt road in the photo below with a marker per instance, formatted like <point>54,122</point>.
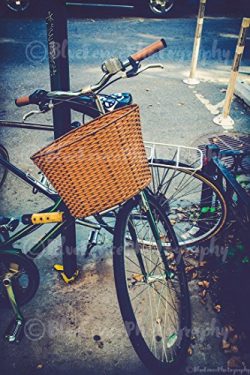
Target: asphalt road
<point>24,61</point>
<point>24,43</point>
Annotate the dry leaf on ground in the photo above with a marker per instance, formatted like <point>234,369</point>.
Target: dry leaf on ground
<point>234,362</point>
<point>204,284</point>
<point>217,308</point>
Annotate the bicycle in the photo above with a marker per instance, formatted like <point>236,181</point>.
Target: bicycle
<point>223,168</point>
<point>178,187</point>
<point>142,234</point>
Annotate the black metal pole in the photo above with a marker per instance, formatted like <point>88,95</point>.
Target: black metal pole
<point>59,77</point>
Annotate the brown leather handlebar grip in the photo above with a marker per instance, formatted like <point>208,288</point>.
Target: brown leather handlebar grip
<point>149,50</point>
<point>22,101</point>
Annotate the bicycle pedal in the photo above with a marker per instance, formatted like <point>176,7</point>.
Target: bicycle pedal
<point>15,330</point>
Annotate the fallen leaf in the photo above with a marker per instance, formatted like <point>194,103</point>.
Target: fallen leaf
<point>203,293</point>
<point>138,277</point>
<point>234,349</point>
<point>234,362</point>
<point>204,284</point>
<point>203,263</point>
<point>189,268</point>
<point>190,351</point>
<point>217,308</point>
<point>194,275</point>
<point>225,345</point>
<point>170,256</point>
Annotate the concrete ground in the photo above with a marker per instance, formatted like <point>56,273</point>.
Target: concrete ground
<point>63,319</point>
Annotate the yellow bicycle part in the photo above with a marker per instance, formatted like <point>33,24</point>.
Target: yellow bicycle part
<point>59,268</point>
<point>43,218</point>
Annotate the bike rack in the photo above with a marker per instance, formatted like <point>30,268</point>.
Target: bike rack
<point>57,33</point>
<point>179,155</point>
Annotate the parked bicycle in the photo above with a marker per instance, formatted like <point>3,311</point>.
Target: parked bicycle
<point>223,167</point>
<point>148,269</point>
<point>178,187</point>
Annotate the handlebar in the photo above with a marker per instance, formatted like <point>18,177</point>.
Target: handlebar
<point>110,68</point>
<point>149,50</point>
<point>22,101</point>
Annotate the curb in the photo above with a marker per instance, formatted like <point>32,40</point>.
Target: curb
<point>243,91</point>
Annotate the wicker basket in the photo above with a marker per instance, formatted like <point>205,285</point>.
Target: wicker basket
<point>98,165</point>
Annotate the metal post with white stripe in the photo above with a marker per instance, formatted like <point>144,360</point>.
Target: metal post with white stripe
<point>192,80</point>
<point>224,118</point>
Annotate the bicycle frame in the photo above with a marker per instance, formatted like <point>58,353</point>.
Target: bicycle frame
<point>60,226</point>
<point>215,168</point>
<point>58,205</point>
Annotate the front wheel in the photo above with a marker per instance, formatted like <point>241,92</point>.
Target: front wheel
<point>153,298</point>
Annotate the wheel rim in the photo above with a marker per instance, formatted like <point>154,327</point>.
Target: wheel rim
<point>161,7</point>
<point>196,211</point>
<point>155,301</point>
<point>18,5</point>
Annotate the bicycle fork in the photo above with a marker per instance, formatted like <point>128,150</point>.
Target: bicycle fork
<point>152,222</point>
<point>14,331</point>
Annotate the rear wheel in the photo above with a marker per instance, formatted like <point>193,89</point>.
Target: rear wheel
<point>154,300</point>
<point>195,206</point>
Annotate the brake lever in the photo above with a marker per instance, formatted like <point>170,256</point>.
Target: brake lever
<point>31,113</point>
<point>151,66</point>
<point>133,73</point>
<point>38,112</point>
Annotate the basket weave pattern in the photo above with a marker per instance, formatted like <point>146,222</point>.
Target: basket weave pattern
<point>98,165</point>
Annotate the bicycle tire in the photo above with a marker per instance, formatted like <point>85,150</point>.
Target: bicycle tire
<point>26,281</point>
<point>171,341</point>
<point>3,171</point>
<point>185,196</point>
